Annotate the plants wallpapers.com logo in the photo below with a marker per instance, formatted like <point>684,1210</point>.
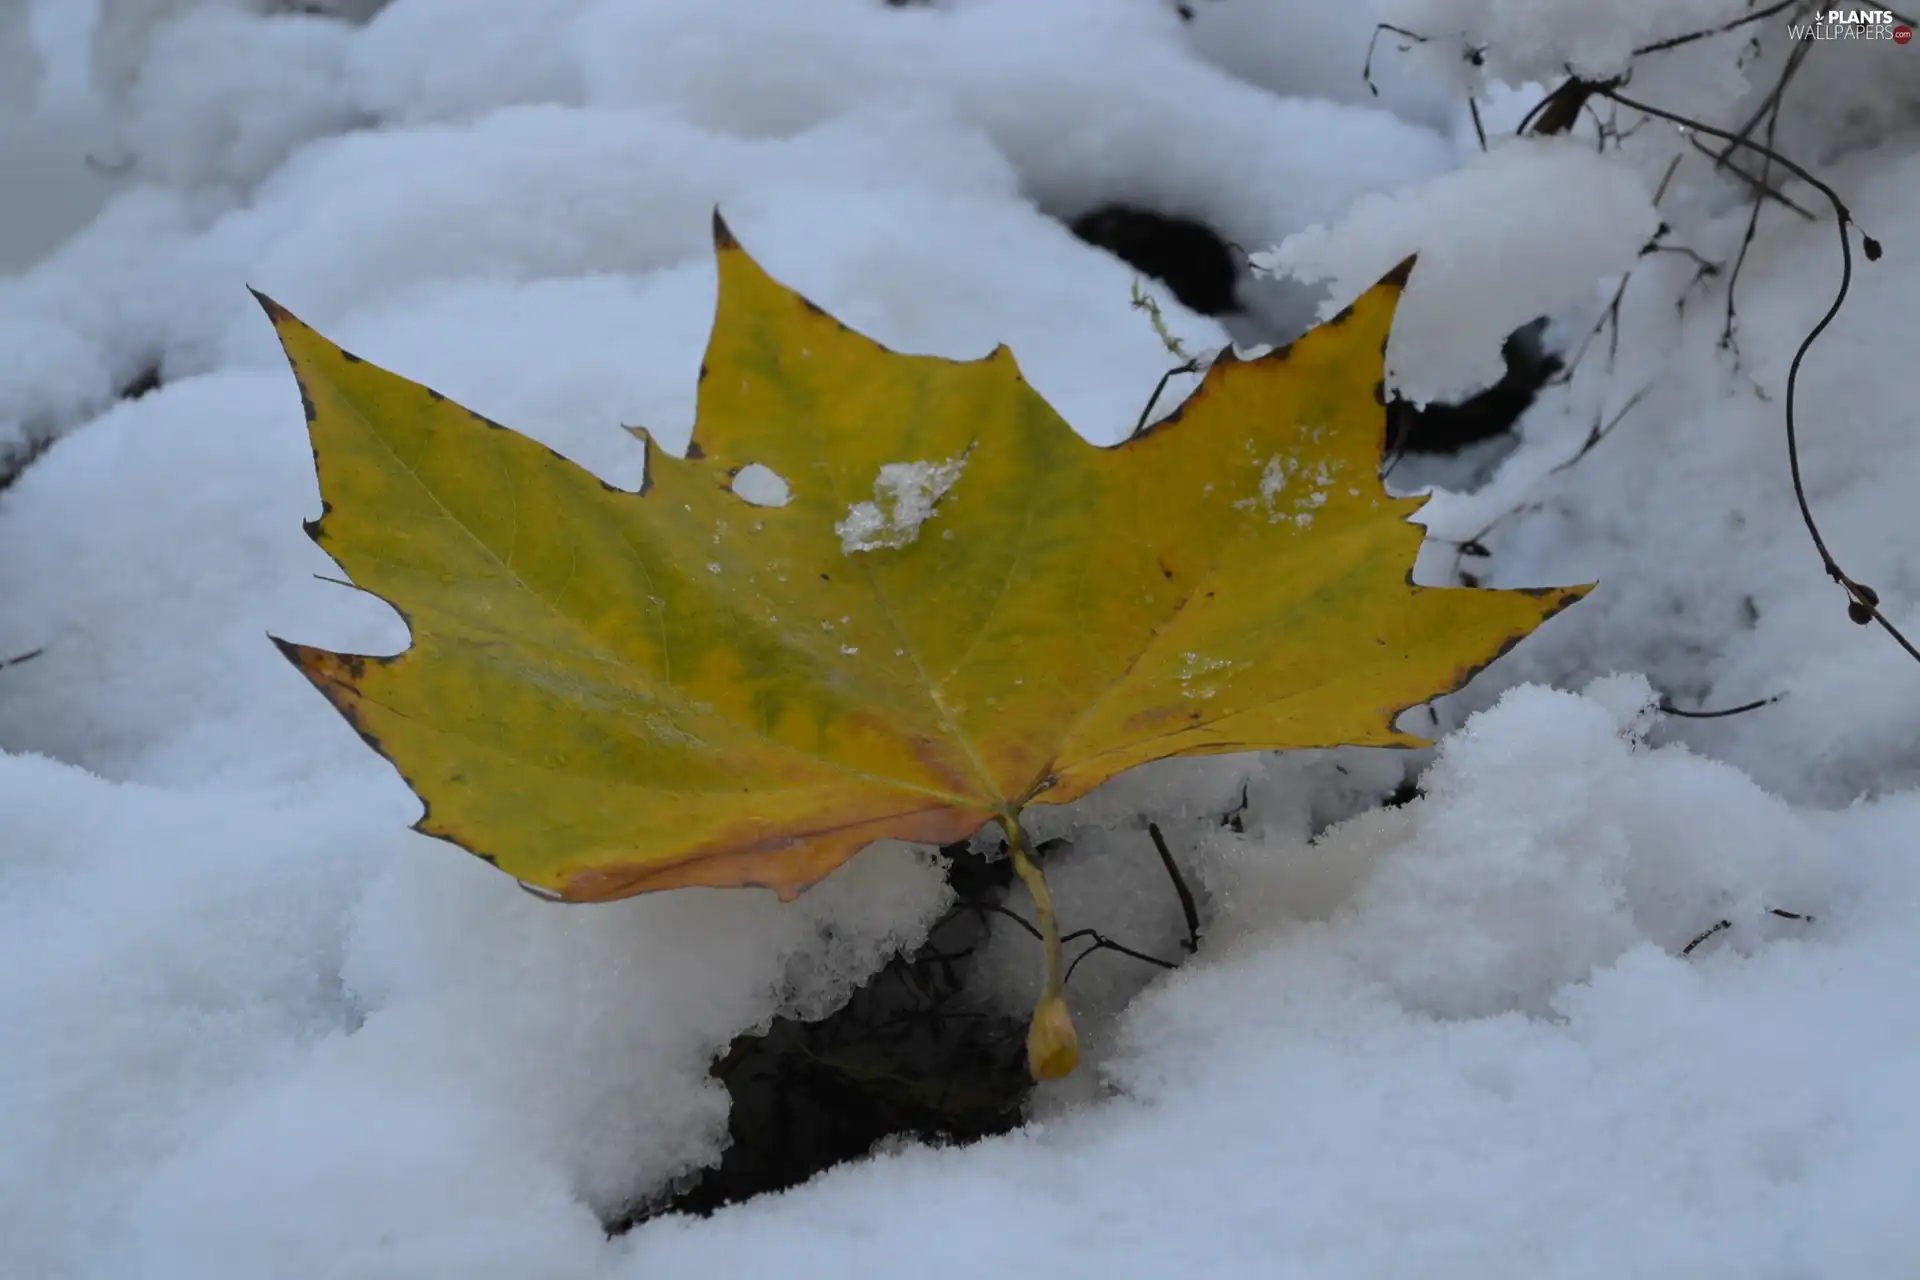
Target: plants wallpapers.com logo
<point>1852,24</point>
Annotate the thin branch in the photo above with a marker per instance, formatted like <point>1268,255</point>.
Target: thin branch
<point>1366,67</point>
<point>1191,366</point>
<point>1674,42</point>
<point>1718,926</point>
<point>1778,99</point>
<point>1707,267</point>
<point>1609,321</point>
<point>994,908</point>
<point>1104,943</point>
<point>1660,189</point>
<point>1666,707</point>
<point>1187,907</point>
<point>1769,104</point>
<point>1100,941</point>
<point>1476,545</point>
<point>1764,191</point>
<point>1721,926</point>
<point>1863,602</point>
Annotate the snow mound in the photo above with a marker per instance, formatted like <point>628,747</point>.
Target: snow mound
<point>258,1027</point>
<point>1488,261</point>
<point>1489,1059</point>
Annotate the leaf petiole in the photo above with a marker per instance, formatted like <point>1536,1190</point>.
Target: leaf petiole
<point>1053,1049</point>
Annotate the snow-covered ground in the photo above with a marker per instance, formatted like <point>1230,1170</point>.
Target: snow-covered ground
<point>255,1027</point>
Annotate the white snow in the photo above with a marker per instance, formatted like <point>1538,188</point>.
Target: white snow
<point>1485,1058</point>
<point>905,495</point>
<point>1525,40</point>
<point>256,1026</point>
<point>1488,261</point>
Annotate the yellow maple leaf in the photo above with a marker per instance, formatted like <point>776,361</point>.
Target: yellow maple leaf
<point>962,608</point>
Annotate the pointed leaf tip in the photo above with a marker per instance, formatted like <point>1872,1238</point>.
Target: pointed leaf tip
<point>722,234</point>
<point>275,312</point>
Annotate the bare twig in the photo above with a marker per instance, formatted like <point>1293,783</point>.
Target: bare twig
<point>1103,943</point>
<point>1777,99</point>
<point>1717,927</point>
<point>1666,707</point>
<point>1366,67</point>
<point>1863,602</point>
<point>1187,908</point>
<point>1191,366</point>
<point>1707,267</point>
<point>994,908</point>
<point>1476,544</point>
<point>1666,179</point>
<point>1674,42</point>
<point>1721,926</point>
<point>1764,191</point>
<point>1739,137</point>
<point>1097,941</point>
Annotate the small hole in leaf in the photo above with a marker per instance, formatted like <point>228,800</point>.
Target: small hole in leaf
<point>762,486</point>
